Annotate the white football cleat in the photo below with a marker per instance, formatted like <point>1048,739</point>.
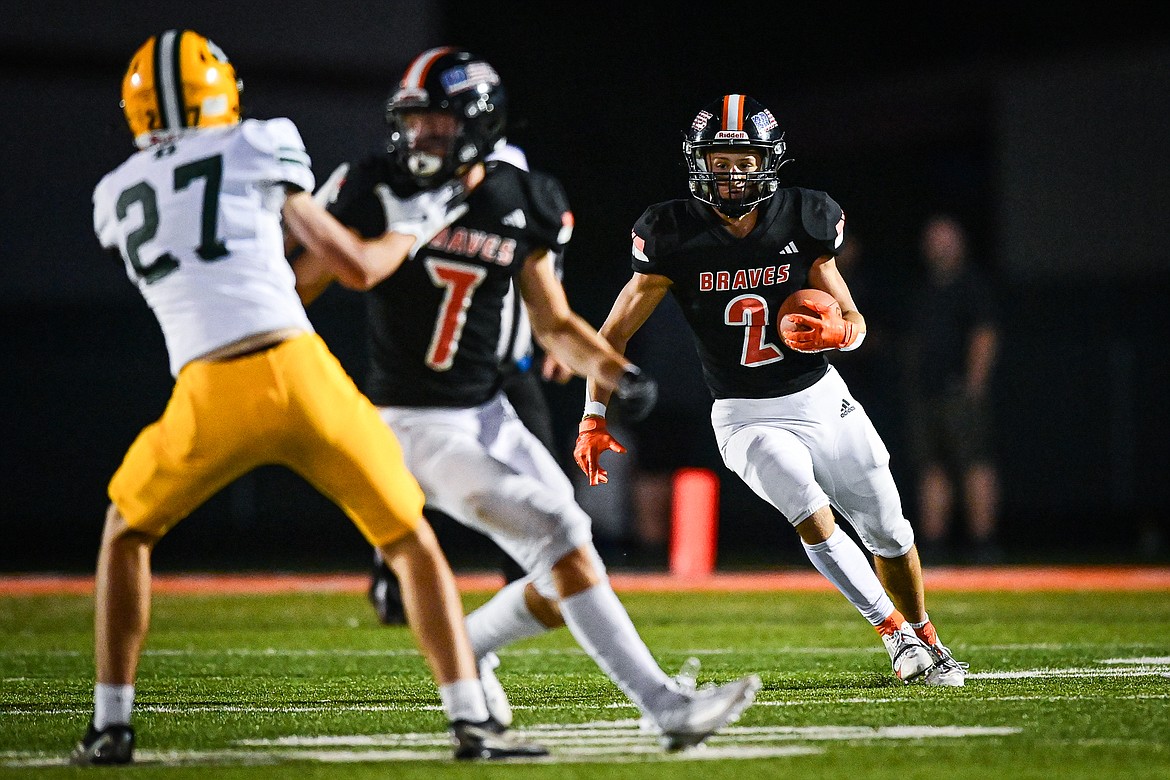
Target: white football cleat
<point>493,692</point>
<point>946,670</point>
<point>704,711</point>
<point>909,655</point>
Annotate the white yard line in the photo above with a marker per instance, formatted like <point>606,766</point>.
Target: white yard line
<point>974,699</point>
<point>343,708</point>
<point>628,733</point>
<point>613,742</point>
<point>1022,674</point>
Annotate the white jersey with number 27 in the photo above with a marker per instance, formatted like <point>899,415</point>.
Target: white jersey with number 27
<point>197,222</point>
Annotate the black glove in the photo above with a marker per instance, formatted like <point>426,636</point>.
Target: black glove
<point>637,394</point>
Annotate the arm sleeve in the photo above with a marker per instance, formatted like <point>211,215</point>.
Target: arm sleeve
<point>981,300</point>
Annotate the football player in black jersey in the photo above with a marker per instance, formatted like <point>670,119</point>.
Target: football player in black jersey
<point>784,419</point>
<point>522,386</point>
<point>438,332</point>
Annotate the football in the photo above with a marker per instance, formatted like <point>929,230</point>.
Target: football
<point>794,304</point>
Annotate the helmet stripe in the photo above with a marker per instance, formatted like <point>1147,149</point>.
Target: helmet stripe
<point>416,74</point>
<point>733,112</point>
<point>167,79</point>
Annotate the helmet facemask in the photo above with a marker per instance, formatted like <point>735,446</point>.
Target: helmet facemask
<point>733,193</point>
<point>426,143</point>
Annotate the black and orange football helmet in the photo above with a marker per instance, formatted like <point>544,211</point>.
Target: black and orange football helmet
<point>461,84</point>
<point>734,123</point>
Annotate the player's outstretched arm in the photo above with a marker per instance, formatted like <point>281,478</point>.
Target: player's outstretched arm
<point>633,307</point>
<point>337,251</point>
<point>564,333</point>
<point>313,276</point>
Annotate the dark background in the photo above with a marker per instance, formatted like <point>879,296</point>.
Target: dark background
<point>1045,132</point>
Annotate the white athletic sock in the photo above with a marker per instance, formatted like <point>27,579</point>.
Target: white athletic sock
<point>463,700</point>
<point>504,619</point>
<point>112,705</point>
<point>603,628</point>
<point>843,563</point>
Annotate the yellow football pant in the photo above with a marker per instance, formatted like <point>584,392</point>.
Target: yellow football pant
<point>291,405</point>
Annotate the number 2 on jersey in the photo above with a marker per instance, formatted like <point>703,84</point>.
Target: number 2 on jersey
<point>210,247</point>
<point>751,313</point>
<point>458,282</point>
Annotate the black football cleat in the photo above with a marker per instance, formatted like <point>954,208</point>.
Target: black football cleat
<point>112,745</point>
<point>385,595</point>
<point>490,741</point>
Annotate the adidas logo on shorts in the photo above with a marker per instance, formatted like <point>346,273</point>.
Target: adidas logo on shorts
<point>846,407</point>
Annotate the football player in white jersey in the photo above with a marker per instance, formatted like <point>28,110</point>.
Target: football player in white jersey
<point>784,419</point>
<point>197,215</point>
<point>436,320</point>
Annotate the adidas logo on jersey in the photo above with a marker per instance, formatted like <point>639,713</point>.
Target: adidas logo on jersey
<point>790,249</point>
<point>846,407</point>
<point>515,219</point>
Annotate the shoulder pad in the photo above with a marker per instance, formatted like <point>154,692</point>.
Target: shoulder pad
<point>513,155</point>
<point>103,214</point>
<point>269,135</point>
<point>280,142</point>
<point>549,207</point>
<point>822,218</point>
<point>659,225</point>
<point>644,240</point>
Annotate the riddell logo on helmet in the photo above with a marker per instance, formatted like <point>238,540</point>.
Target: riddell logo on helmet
<point>731,135</point>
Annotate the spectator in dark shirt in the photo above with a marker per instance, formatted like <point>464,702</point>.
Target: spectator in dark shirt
<point>953,351</point>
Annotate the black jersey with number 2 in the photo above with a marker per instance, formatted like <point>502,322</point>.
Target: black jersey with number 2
<point>730,289</point>
<point>436,325</point>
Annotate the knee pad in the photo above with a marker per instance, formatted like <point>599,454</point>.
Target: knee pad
<point>534,525</point>
<point>891,538</point>
<point>543,582</point>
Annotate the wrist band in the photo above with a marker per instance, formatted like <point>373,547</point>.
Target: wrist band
<point>856,343</point>
<point>594,409</point>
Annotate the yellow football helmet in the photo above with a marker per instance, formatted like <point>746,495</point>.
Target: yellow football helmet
<point>177,80</point>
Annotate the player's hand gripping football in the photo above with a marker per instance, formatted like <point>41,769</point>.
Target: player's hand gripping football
<point>593,439</point>
<point>828,330</point>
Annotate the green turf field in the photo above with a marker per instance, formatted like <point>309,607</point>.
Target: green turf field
<point>1064,685</point>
